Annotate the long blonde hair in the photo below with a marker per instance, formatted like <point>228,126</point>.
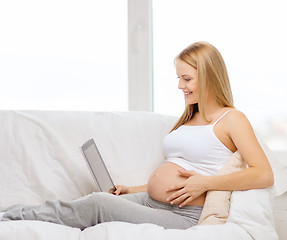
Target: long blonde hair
<point>211,73</point>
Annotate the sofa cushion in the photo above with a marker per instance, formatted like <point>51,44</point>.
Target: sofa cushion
<point>217,203</point>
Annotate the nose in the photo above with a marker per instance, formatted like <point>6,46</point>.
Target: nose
<point>181,84</point>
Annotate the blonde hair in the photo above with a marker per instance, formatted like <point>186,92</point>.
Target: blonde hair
<point>211,73</point>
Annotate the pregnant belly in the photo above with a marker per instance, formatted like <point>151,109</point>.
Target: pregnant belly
<point>165,176</point>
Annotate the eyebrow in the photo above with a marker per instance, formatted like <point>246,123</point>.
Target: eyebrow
<point>185,75</point>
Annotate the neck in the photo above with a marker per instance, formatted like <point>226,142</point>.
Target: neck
<point>211,106</point>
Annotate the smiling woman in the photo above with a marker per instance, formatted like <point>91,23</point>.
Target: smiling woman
<point>198,146</point>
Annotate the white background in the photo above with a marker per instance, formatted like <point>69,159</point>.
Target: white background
<point>63,55</point>
<point>72,55</point>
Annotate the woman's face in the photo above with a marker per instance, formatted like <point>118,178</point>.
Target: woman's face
<point>188,82</point>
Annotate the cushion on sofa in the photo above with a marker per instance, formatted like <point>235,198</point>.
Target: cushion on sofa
<point>217,203</point>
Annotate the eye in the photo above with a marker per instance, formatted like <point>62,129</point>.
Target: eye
<point>187,79</point>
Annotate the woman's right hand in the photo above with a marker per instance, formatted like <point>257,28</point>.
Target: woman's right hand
<point>121,189</point>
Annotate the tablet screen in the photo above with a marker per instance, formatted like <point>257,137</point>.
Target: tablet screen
<point>97,166</point>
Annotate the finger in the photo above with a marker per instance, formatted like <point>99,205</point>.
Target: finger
<point>186,173</point>
<point>180,199</point>
<point>175,195</point>
<point>187,200</point>
<point>118,190</point>
<point>176,187</point>
<point>112,190</point>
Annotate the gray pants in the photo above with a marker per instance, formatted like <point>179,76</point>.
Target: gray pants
<point>104,207</point>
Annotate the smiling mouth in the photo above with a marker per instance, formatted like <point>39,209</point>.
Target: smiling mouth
<point>187,94</point>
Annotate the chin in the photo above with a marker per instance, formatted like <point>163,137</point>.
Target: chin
<point>190,102</point>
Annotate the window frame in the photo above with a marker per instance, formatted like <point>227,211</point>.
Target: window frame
<point>140,56</point>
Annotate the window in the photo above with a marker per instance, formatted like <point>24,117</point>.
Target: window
<point>63,55</point>
<point>251,38</point>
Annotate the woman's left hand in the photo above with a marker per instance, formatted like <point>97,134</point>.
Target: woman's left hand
<point>187,190</point>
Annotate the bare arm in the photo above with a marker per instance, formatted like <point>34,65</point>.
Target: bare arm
<point>121,189</point>
<point>141,188</point>
<point>259,174</point>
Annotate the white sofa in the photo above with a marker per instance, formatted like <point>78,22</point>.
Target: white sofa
<point>40,160</point>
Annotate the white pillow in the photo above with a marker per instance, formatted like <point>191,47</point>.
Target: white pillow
<point>253,211</point>
<point>279,171</point>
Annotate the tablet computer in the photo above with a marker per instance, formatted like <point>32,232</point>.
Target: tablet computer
<point>97,167</point>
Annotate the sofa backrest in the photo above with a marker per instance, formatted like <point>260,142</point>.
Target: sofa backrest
<point>41,159</point>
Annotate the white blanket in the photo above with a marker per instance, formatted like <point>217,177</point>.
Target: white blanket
<point>40,160</point>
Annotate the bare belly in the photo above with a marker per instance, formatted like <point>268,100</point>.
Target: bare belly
<point>165,176</point>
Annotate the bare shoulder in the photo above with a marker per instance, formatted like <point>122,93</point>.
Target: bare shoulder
<point>237,124</point>
<point>236,118</point>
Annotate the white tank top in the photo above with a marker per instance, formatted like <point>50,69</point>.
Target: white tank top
<point>196,148</point>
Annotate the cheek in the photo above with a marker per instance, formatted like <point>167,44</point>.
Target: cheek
<point>194,87</point>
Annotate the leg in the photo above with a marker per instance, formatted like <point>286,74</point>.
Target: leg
<point>163,214</point>
<point>97,208</point>
<point>80,213</point>
<point>139,198</point>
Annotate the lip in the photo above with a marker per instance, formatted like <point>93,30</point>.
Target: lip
<point>187,93</point>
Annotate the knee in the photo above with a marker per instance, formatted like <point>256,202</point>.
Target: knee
<point>101,197</point>
<point>101,201</point>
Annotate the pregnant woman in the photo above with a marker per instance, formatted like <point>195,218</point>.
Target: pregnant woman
<point>202,140</point>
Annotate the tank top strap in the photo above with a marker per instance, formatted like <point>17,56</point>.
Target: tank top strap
<point>222,116</point>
